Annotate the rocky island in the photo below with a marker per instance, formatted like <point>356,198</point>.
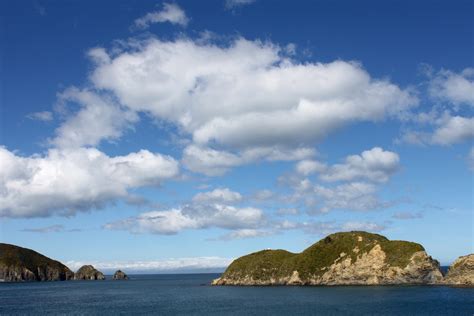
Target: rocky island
<point>461,272</point>
<point>120,275</point>
<point>22,264</point>
<point>88,272</point>
<point>352,258</point>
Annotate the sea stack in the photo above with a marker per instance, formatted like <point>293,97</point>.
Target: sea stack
<point>120,275</point>
<point>348,258</point>
<point>461,272</point>
<point>21,264</point>
<point>88,272</point>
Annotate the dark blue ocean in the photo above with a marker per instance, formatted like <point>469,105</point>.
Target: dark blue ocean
<point>190,294</point>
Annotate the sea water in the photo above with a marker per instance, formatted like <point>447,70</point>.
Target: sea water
<point>191,294</point>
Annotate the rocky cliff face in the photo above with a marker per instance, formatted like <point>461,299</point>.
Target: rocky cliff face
<point>461,272</point>
<point>22,264</point>
<point>88,272</point>
<point>120,275</point>
<point>355,258</point>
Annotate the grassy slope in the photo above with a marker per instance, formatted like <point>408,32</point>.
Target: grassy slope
<point>276,263</point>
<point>11,255</point>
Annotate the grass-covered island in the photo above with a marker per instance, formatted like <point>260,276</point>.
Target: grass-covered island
<point>349,258</point>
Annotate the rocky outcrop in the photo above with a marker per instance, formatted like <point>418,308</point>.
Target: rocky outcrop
<point>120,275</point>
<point>461,272</point>
<point>354,258</point>
<point>88,272</point>
<point>21,264</point>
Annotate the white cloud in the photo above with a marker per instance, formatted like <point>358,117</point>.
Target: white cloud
<point>358,179</point>
<point>213,162</point>
<point>171,13</point>
<point>218,195</point>
<point>455,88</point>
<point>98,118</point>
<point>44,116</point>
<point>65,181</point>
<point>453,129</point>
<point>245,233</point>
<point>248,96</point>
<point>153,266</point>
<point>231,4</point>
<point>192,216</point>
<point>307,167</point>
<point>375,165</point>
<point>358,196</point>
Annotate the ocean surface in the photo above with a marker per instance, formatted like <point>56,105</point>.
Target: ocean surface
<point>190,294</point>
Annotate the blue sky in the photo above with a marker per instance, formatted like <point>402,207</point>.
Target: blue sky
<point>159,136</point>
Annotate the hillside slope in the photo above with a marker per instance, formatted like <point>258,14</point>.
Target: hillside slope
<point>358,258</point>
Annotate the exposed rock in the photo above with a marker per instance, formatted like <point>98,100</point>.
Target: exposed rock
<point>22,264</point>
<point>461,272</point>
<point>88,272</point>
<point>354,258</point>
<point>120,275</point>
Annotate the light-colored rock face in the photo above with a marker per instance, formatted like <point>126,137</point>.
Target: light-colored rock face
<point>461,272</point>
<point>88,272</point>
<point>369,268</point>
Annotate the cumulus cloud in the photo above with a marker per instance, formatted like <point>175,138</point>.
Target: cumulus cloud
<point>452,87</point>
<point>447,130</point>
<point>99,118</point>
<point>307,167</point>
<point>245,233</point>
<point>454,129</point>
<point>213,162</point>
<point>375,164</point>
<point>218,195</point>
<point>192,216</point>
<point>171,13</point>
<point>248,95</point>
<point>358,196</point>
<point>65,181</point>
<point>357,182</point>
<point>44,116</point>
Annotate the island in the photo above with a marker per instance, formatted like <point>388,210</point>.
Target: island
<point>22,264</point>
<point>88,272</point>
<point>120,275</point>
<point>461,272</point>
<point>347,258</point>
